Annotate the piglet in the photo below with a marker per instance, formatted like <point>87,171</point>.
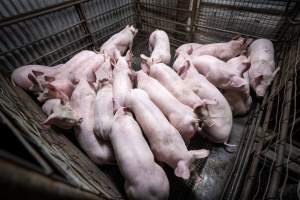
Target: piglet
<point>144,179</point>
<point>122,72</point>
<point>62,84</point>
<point>104,111</point>
<point>172,82</point>
<point>219,73</point>
<point>219,114</point>
<point>60,114</point>
<point>180,116</point>
<point>121,41</point>
<point>224,50</point>
<point>165,141</point>
<point>27,77</point>
<point>159,46</point>
<point>188,48</point>
<point>262,70</point>
<point>83,102</point>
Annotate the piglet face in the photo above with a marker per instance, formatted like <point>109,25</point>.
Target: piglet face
<point>180,63</point>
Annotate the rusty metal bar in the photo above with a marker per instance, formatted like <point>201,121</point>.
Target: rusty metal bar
<point>17,183</point>
<point>64,46</point>
<point>242,8</point>
<point>110,11</point>
<point>39,12</point>
<point>165,7</point>
<point>193,17</point>
<point>83,47</point>
<point>276,173</point>
<point>84,25</point>
<point>166,20</point>
<point>231,32</point>
<point>240,154</point>
<point>44,38</point>
<point>138,14</point>
<point>159,27</point>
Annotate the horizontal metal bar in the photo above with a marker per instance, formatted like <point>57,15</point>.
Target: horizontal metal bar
<point>83,47</point>
<point>64,46</point>
<point>144,4</point>
<point>43,38</point>
<point>166,20</point>
<point>104,27</point>
<point>39,12</point>
<point>109,11</point>
<point>163,28</point>
<point>232,32</point>
<point>243,8</point>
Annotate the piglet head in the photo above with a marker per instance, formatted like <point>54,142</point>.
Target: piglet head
<point>146,62</point>
<point>52,92</point>
<point>262,82</point>
<point>132,29</point>
<point>65,118</point>
<point>187,166</point>
<point>181,62</point>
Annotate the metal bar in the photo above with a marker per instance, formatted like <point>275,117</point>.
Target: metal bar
<point>44,38</point>
<point>242,8</point>
<point>64,46</point>
<point>110,11</point>
<point>57,61</point>
<point>159,6</point>
<point>242,146</point>
<point>138,14</point>
<point>84,25</point>
<point>193,17</point>
<point>39,12</point>
<point>232,32</point>
<point>35,186</point>
<point>46,168</point>
<point>104,27</point>
<point>166,20</point>
<point>276,175</point>
<point>168,30</point>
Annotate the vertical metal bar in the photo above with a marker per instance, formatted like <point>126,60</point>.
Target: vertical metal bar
<point>276,175</point>
<point>138,14</point>
<point>193,17</point>
<point>84,27</point>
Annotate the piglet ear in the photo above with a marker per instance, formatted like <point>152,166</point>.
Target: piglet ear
<point>116,55</point>
<point>133,78</point>
<point>183,70</point>
<point>238,82</point>
<point>51,87</point>
<point>37,73</point>
<point>248,41</point>
<point>36,83</point>
<point>51,119</point>
<point>182,170</point>
<point>128,57</point>
<point>145,65</point>
<point>236,37</point>
<point>258,79</point>
<point>49,78</point>
<point>190,51</point>
<point>116,105</point>
<point>113,63</point>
